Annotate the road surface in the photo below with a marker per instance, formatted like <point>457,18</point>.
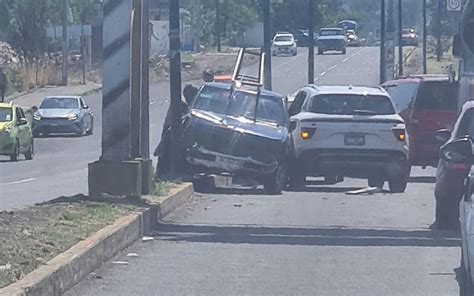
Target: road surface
<point>318,242</point>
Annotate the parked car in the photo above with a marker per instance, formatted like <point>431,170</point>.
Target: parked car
<point>450,176</point>
<point>427,103</point>
<point>332,39</point>
<point>409,37</point>
<point>459,151</point>
<point>284,43</point>
<point>15,132</point>
<point>241,132</point>
<point>302,38</point>
<point>63,115</point>
<point>348,131</point>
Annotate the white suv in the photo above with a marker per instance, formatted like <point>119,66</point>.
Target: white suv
<point>284,43</point>
<point>348,131</point>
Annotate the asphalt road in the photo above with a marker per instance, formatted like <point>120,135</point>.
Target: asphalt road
<point>60,164</point>
<point>318,242</point>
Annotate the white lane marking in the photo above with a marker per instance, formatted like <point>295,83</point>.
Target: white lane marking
<point>153,102</point>
<point>345,60</point>
<point>323,73</point>
<point>316,79</point>
<point>332,68</point>
<point>21,181</point>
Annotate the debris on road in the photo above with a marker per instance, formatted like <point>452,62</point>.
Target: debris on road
<point>365,191</point>
<point>132,255</point>
<point>147,238</point>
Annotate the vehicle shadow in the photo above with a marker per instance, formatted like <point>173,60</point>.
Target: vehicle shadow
<point>422,179</point>
<point>326,189</point>
<point>303,236</point>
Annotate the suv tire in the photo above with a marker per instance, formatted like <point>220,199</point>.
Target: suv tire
<point>276,182</point>
<point>376,182</point>
<point>397,185</point>
<point>16,152</point>
<point>31,150</point>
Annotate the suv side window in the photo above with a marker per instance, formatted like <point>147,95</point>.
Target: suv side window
<point>295,107</point>
<point>81,102</point>
<point>22,113</point>
<point>466,125</point>
<point>18,115</point>
<point>402,94</point>
<point>437,95</point>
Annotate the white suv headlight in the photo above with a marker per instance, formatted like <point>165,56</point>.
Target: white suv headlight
<point>72,116</point>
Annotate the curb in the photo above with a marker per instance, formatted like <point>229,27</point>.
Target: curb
<point>70,267</point>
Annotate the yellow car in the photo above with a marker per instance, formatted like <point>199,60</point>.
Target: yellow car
<point>16,136</point>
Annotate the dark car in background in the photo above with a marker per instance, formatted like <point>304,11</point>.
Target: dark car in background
<point>242,132</point>
<point>409,37</point>
<point>450,176</point>
<point>302,38</point>
<point>63,115</point>
<point>332,39</point>
<point>427,103</point>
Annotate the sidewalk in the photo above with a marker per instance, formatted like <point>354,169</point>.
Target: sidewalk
<point>34,98</point>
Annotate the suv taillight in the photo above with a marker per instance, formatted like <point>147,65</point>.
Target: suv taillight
<point>307,133</point>
<point>400,134</point>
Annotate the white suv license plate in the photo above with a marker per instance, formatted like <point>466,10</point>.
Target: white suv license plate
<point>354,140</point>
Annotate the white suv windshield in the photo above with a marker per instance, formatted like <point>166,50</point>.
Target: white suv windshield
<point>283,39</point>
<point>350,105</point>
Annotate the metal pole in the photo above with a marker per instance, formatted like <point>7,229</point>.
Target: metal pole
<point>383,66</point>
<point>135,85</point>
<point>311,41</point>
<point>145,87</point>
<point>175,87</point>
<point>400,41</point>
<point>425,38</point>
<point>83,54</point>
<point>197,29</point>
<point>65,42</point>
<point>439,46</point>
<point>218,27</point>
<point>267,45</point>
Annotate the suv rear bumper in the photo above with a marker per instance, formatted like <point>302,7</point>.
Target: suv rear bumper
<point>360,163</point>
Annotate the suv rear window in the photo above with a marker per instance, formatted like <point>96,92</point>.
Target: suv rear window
<point>350,105</point>
<point>436,95</point>
<point>402,94</point>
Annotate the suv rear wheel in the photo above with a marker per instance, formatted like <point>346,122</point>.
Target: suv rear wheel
<point>16,152</point>
<point>376,182</point>
<point>276,182</point>
<point>398,185</point>
<point>30,152</point>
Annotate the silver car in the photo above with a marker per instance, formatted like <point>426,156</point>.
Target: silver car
<point>63,115</point>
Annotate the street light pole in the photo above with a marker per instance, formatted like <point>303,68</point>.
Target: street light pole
<point>425,37</point>
<point>218,25</point>
<point>267,45</point>
<point>383,65</point>
<point>311,41</point>
<point>65,42</point>
<point>400,41</point>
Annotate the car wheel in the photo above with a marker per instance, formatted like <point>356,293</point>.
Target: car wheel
<point>276,182</point>
<point>376,182</point>
<point>31,150</point>
<point>90,131</point>
<point>344,51</point>
<point>16,152</point>
<point>297,180</point>
<point>320,51</point>
<point>81,131</point>
<point>36,134</point>
<point>397,185</point>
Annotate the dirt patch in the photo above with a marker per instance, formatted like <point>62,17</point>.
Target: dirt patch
<point>30,237</point>
<point>194,64</point>
<point>414,64</point>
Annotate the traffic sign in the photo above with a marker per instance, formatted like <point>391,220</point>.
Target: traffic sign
<point>454,5</point>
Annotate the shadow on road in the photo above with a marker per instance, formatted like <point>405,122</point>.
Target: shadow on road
<point>242,234</point>
<point>422,179</point>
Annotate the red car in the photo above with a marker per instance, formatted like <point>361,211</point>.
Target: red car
<point>427,103</point>
<point>450,176</point>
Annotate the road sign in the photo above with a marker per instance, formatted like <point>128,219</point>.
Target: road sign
<point>454,5</point>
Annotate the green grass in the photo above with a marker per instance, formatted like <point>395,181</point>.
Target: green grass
<point>32,236</point>
<point>160,188</point>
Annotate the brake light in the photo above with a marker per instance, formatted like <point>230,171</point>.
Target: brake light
<point>400,134</point>
<point>307,133</point>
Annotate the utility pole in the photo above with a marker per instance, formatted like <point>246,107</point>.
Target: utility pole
<point>400,41</point>
<point>439,45</point>
<point>135,83</point>
<point>197,29</point>
<point>267,45</point>
<point>65,42</point>
<point>425,37</point>
<point>383,66</point>
<point>390,41</point>
<point>218,27</point>
<point>311,41</point>
<point>147,166</point>
<point>175,87</point>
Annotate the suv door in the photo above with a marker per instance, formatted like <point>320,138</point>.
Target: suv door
<point>23,129</point>
<point>295,107</point>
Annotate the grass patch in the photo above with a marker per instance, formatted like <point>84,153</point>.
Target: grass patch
<point>30,237</point>
<point>161,188</point>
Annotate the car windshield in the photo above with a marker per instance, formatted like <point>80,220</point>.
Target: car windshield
<point>59,103</point>
<point>402,94</point>
<point>437,95</point>
<point>331,32</point>
<point>6,114</point>
<point>270,108</point>
<point>343,104</point>
<point>212,99</point>
<point>408,31</point>
<point>283,39</point>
